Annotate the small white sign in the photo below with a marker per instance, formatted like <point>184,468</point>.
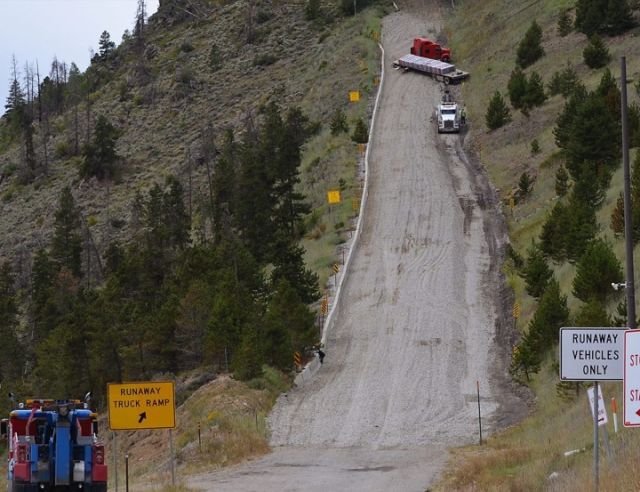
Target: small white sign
<point>631,380</point>
<point>602,410</point>
<point>591,354</point>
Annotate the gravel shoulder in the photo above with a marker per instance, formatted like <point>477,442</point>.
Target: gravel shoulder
<point>420,321</point>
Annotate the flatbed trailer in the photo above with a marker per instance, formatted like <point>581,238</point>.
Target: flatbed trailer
<point>439,70</point>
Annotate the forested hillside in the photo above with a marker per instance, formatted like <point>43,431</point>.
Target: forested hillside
<point>155,206</point>
<point>545,102</point>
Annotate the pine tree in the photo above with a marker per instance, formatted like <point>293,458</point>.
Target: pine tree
<point>562,181</point>
<point>66,245</point>
<point>360,132</point>
<point>551,315</point>
<point>617,217</point>
<point>517,88</point>
<point>535,95</point>
<point>100,156</point>
<point>106,47</point>
<point>596,54</point>
<point>581,227</point>
<point>312,9</point>
<point>592,313</point>
<point>553,234</point>
<point>497,112</point>
<point>524,184</point>
<point>339,122</point>
<point>590,15</point>
<point>530,48</point>
<point>12,360</point>
<point>595,272</point>
<point>565,121</point>
<point>619,17</point>
<point>564,23</point>
<point>593,139</point>
<point>536,272</point>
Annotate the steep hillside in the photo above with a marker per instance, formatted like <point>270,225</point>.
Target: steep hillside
<point>198,76</point>
<point>530,456</point>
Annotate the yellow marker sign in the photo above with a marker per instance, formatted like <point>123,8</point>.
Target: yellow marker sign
<point>362,148</point>
<point>134,406</point>
<point>516,310</point>
<point>354,96</point>
<point>333,196</point>
<point>336,268</point>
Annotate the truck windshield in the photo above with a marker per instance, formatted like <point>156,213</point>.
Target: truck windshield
<point>448,111</point>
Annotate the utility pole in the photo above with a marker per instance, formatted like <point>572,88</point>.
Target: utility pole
<point>628,233</point>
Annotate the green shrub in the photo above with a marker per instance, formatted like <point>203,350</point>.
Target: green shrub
<point>264,60</point>
<point>360,132</point>
<point>339,122</point>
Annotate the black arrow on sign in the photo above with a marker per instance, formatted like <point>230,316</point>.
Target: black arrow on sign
<point>143,416</point>
<point>638,412</point>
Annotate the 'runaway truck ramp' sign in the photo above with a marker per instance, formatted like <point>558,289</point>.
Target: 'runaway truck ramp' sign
<point>134,406</point>
<point>591,354</point>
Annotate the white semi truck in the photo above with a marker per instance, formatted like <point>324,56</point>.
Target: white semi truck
<point>450,116</point>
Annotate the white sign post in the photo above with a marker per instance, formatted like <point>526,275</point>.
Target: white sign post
<point>602,411</point>
<point>591,354</point>
<point>631,383</point>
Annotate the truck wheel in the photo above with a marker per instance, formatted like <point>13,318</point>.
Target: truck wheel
<point>446,59</point>
<point>98,487</point>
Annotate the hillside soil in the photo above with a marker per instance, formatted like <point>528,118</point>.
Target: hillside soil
<point>423,319</point>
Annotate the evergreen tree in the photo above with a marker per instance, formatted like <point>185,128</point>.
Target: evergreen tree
<point>66,245</point>
<point>536,273</point>
<point>581,227</point>
<point>590,15</point>
<point>564,123</point>
<point>289,265</point>
<point>595,272</point>
<point>593,313</point>
<point>596,54</point>
<point>564,23</point>
<point>12,360</point>
<point>619,17</point>
<point>608,90</point>
<point>360,132</point>
<point>497,112</point>
<point>15,108</point>
<point>530,48</point>
<point>551,315</point>
<point>617,217</point>
<point>562,181</point>
<point>524,184</point>
<point>553,234</point>
<point>106,47</point>
<point>593,139</point>
<point>517,88</point>
<point>175,215</point>
<point>100,157</point>
<point>312,9</point>
<point>535,95</point>
<point>339,122</point>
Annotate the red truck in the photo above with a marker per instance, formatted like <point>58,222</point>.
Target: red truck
<point>429,49</point>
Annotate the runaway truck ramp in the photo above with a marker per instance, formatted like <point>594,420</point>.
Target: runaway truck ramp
<point>418,329</point>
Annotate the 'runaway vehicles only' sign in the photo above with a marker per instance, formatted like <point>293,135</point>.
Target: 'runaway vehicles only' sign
<point>591,354</point>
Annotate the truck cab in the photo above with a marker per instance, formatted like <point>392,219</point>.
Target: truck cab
<point>449,115</point>
<point>429,49</point>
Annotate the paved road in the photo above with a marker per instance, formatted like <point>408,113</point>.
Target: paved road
<point>417,321</point>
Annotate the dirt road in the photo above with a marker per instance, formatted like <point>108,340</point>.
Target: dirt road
<point>419,323</point>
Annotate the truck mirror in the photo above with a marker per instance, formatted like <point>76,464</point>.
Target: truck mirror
<point>95,427</point>
<point>3,428</point>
